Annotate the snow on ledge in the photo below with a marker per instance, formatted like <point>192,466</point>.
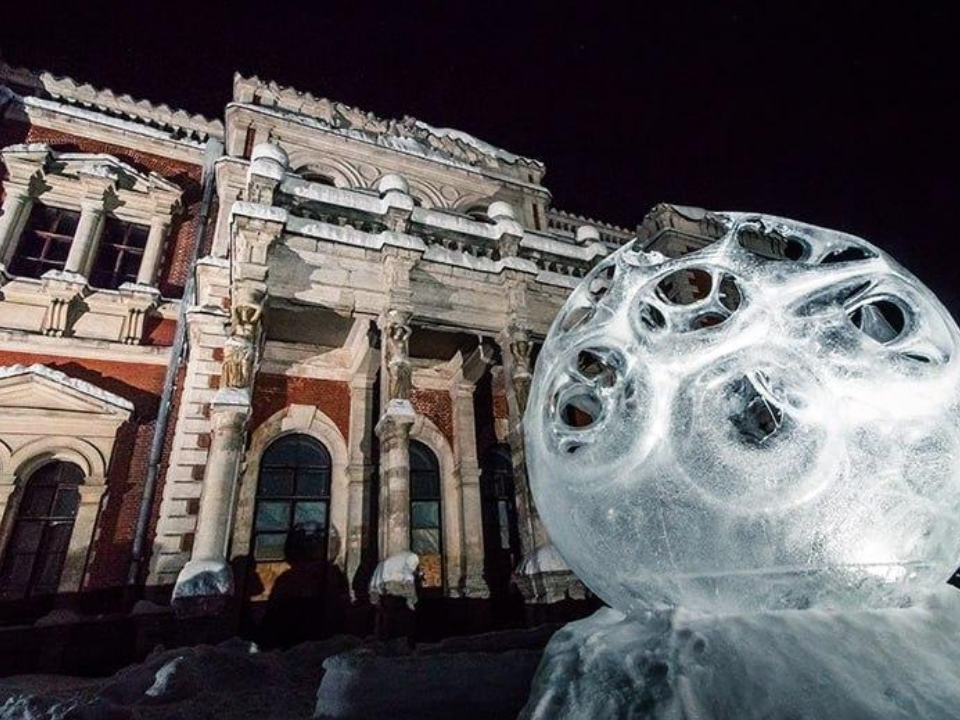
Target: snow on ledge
<point>396,575</point>
<point>61,378</point>
<point>544,559</point>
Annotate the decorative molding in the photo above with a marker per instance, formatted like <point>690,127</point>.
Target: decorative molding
<point>179,124</point>
<point>345,119</point>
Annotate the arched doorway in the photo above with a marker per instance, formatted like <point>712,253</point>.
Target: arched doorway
<point>426,517</point>
<point>501,538</point>
<point>34,558</point>
<point>291,528</point>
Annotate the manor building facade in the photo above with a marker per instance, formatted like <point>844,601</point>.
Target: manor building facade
<point>275,359</point>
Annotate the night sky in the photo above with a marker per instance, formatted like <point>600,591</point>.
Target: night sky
<point>841,117</point>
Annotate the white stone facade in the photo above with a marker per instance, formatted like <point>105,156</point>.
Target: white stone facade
<point>365,284</point>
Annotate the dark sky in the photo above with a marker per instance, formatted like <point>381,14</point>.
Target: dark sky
<point>844,117</point>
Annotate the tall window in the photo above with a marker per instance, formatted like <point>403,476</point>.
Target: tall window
<point>501,540</point>
<point>41,535</point>
<point>426,528</point>
<point>119,255</point>
<point>293,501</point>
<point>45,241</point>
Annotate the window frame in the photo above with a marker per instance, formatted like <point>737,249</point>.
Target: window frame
<point>48,475</point>
<point>294,498</point>
<point>105,245</point>
<point>49,238</point>
<point>429,465</point>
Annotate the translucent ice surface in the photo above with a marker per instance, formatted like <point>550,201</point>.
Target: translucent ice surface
<point>772,421</point>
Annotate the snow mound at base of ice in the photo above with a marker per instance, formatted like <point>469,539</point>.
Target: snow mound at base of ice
<point>797,665</point>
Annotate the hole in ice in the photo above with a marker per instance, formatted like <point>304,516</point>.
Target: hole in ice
<point>755,416</point>
<point>850,254</point>
<point>917,357</point>
<point>882,320</point>
<point>572,447</point>
<point>729,294</point>
<point>706,320</point>
<point>600,285</point>
<point>579,408</point>
<point>577,316</point>
<point>771,245</point>
<point>651,318</point>
<point>593,366</point>
<point>685,287</point>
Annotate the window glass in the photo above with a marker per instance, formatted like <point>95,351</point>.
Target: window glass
<point>33,562</point>
<point>309,514</point>
<point>273,515</point>
<point>426,537</point>
<point>45,241</point>
<point>293,492</point>
<point>424,514</point>
<point>270,546</point>
<point>119,254</point>
<point>425,541</point>
<point>313,481</point>
<point>275,481</point>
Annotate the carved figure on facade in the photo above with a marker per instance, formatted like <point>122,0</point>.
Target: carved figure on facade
<point>246,311</point>
<point>237,369</point>
<point>521,350</point>
<point>397,336</point>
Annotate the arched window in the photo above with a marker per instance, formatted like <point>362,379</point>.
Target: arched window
<point>478,212</point>
<point>317,177</point>
<point>426,527</point>
<point>38,545</point>
<point>501,540</point>
<point>291,519</point>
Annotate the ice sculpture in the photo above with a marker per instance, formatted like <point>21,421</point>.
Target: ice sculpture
<point>772,421</point>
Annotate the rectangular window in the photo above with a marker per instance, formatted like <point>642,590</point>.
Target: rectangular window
<point>45,242</point>
<point>119,255</point>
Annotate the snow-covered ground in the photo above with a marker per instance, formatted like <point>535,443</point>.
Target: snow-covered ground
<point>230,680</point>
<point>480,676</point>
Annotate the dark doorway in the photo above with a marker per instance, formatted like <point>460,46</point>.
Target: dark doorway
<point>501,539</point>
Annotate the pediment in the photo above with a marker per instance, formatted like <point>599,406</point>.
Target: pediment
<point>76,165</point>
<point>42,389</point>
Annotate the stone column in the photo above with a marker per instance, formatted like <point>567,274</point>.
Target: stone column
<point>207,580</point>
<point>150,261</point>
<point>516,350</point>
<point>471,509</point>
<point>86,238</point>
<point>16,205</point>
<point>359,476</point>
<point>393,429</point>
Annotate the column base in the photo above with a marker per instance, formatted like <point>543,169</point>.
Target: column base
<point>543,578</point>
<point>396,576</point>
<point>204,587</point>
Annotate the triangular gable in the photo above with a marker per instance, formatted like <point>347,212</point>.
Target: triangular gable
<point>41,387</point>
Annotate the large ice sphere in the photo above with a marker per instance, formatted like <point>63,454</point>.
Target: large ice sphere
<point>771,421</point>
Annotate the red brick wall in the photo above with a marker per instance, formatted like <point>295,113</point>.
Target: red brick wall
<point>437,406</point>
<point>142,385</point>
<point>272,393</point>
<point>175,265</point>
